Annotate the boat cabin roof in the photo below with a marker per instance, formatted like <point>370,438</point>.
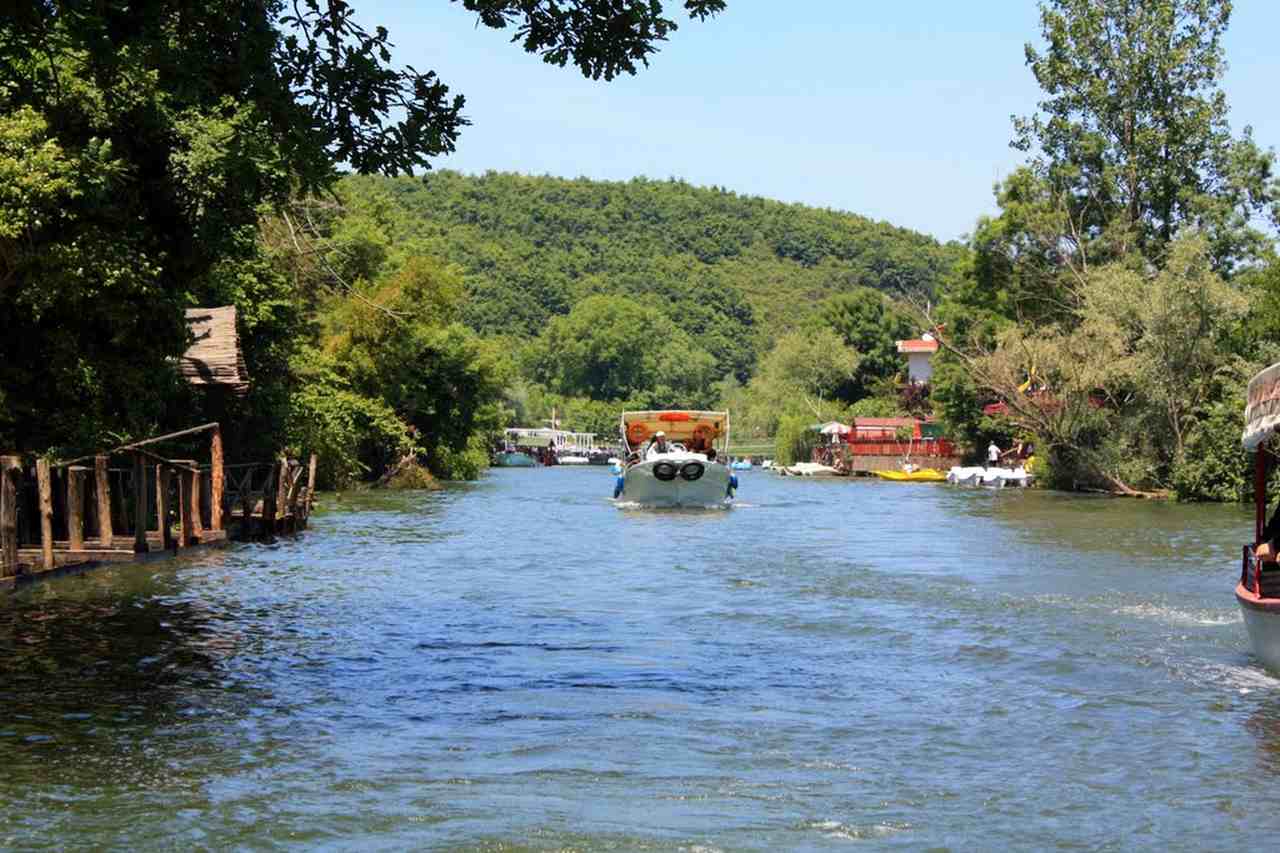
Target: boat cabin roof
<point>1262,407</point>
<point>678,424</point>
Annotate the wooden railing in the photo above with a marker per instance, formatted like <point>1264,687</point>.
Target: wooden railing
<point>86,510</point>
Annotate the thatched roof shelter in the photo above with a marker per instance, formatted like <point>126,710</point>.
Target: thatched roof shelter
<point>214,358</point>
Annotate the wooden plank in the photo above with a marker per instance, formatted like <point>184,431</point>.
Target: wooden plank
<point>102,482</point>
<point>184,509</point>
<point>140,545</point>
<point>311,482</point>
<point>75,506</point>
<point>282,486</point>
<point>159,485</point>
<point>164,485</point>
<point>197,522</point>
<point>10,471</point>
<point>44,482</point>
<point>216,475</point>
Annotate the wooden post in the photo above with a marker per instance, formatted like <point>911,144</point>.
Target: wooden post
<point>197,522</point>
<point>159,485</point>
<point>164,482</point>
<point>75,507</point>
<point>282,488</point>
<point>102,482</point>
<point>45,485</point>
<point>140,504</point>
<point>184,508</point>
<point>311,482</point>
<point>270,491</point>
<point>216,475</point>
<point>10,471</point>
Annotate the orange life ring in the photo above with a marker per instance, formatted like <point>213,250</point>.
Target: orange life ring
<point>637,434</point>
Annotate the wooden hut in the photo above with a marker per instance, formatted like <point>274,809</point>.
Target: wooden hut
<point>214,357</point>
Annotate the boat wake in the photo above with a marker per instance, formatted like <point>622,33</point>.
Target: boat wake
<point>1172,616</point>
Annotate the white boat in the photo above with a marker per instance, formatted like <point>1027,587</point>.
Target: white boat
<point>807,469</point>
<point>573,459</point>
<point>689,473</point>
<point>1258,591</point>
<point>991,478</point>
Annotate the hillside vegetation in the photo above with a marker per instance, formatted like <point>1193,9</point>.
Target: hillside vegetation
<point>716,262</point>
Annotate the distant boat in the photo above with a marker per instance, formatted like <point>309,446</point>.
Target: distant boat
<point>808,469</point>
<point>513,459</point>
<point>991,478</point>
<point>741,465</point>
<point>573,459</point>
<point>689,473</point>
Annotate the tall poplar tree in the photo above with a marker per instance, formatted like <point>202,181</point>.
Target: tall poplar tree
<point>1132,136</point>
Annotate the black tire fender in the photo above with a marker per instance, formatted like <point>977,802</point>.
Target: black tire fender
<point>664,471</point>
<point>692,471</point>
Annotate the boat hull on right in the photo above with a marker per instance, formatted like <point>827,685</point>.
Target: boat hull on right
<point>1262,621</point>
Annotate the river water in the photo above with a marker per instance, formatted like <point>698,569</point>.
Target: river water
<point>519,664</point>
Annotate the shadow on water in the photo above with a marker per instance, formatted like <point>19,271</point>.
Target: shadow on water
<point>102,675</point>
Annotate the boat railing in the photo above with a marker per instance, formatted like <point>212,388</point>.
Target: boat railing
<point>1262,582</point>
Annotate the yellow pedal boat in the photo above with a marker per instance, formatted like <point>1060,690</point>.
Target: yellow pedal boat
<point>920,475</point>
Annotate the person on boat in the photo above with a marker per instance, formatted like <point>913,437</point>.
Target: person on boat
<point>657,444</point>
<point>993,455</point>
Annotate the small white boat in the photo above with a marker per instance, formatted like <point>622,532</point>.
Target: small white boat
<point>991,478</point>
<point>573,459</point>
<point>807,469</point>
<point>688,473</point>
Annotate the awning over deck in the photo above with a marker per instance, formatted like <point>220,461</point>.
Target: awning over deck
<point>1262,407</point>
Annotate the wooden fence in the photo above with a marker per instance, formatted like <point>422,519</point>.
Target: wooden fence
<point>131,501</point>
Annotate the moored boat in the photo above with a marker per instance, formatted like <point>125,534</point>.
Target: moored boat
<point>1258,590</point>
<point>991,478</point>
<point>672,459</point>
<point>513,459</point>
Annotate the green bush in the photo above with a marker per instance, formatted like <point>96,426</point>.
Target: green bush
<point>794,440</point>
<point>1213,466</point>
<point>465,464</point>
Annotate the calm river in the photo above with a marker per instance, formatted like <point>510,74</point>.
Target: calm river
<point>519,664</point>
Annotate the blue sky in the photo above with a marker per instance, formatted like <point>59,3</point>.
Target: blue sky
<point>897,111</point>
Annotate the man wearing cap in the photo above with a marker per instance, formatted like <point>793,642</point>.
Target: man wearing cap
<point>657,445</point>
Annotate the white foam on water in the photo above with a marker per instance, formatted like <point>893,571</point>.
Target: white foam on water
<point>1174,616</point>
<point>855,832</point>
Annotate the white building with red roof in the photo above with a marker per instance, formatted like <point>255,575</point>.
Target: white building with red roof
<point>919,352</point>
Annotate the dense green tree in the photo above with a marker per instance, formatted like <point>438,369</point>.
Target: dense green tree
<point>869,323</point>
<point>1132,139</point>
<point>613,348</point>
<point>140,140</point>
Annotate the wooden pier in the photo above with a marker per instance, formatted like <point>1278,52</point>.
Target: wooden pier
<point>132,503</point>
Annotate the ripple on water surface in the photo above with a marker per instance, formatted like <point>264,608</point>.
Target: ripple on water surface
<point>521,664</point>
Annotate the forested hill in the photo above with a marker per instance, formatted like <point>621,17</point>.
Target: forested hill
<point>535,246</point>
